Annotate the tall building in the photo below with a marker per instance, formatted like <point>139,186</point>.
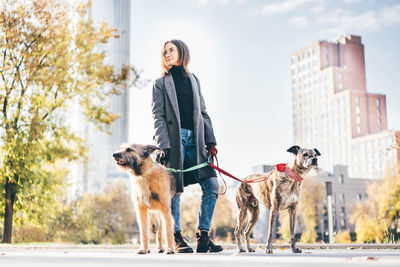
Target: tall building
<point>333,111</point>
<point>99,168</point>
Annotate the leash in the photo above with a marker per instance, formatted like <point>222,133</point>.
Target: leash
<point>210,162</point>
<point>255,180</point>
<point>282,167</point>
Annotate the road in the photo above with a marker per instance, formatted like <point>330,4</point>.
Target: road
<point>10,257</point>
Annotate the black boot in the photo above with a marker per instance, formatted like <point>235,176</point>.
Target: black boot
<point>205,243</point>
<point>180,245</point>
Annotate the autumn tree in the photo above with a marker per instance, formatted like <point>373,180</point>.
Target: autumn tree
<point>377,218</point>
<point>51,56</point>
<point>97,218</point>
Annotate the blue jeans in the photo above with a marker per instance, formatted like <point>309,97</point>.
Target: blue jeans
<point>209,187</point>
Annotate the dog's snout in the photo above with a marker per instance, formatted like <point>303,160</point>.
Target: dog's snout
<point>314,161</point>
<point>116,155</point>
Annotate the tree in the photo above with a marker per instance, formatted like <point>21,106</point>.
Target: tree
<point>96,218</point>
<point>51,56</point>
<point>376,219</point>
<point>310,204</point>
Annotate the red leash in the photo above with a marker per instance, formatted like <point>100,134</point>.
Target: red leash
<point>255,180</point>
<point>282,167</point>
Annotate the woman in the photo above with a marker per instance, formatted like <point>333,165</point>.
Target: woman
<point>184,131</point>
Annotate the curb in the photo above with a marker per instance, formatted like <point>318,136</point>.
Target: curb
<point>226,246</point>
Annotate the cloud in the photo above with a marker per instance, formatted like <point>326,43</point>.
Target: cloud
<point>341,21</point>
<point>299,22</point>
<point>218,2</point>
<point>351,1</point>
<point>390,15</point>
<point>284,6</point>
<point>317,9</point>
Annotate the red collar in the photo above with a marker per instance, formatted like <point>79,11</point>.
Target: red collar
<point>284,168</point>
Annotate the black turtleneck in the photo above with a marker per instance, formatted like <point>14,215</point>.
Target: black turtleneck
<point>184,93</point>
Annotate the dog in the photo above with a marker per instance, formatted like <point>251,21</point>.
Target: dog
<point>279,192</point>
<point>153,188</point>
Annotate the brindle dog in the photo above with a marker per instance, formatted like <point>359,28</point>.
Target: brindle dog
<point>153,188</point>
<point>279,192</point>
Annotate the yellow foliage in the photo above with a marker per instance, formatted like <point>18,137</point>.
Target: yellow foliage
<point>343,237</point>
<point>374,216</point>
<point>310,204</point>
<point>284,228</point>
<point>28,234</point>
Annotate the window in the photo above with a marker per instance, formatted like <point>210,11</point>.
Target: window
<point>343,223</point>
<point>340,86</point>
<point>357,100</point>
<point>342,198</point>
<point>341,179</point>
<point>378,103</point>
<point>340,76</point>
<point>327,57</point>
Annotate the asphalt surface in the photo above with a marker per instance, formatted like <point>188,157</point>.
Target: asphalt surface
<point>74,257</point>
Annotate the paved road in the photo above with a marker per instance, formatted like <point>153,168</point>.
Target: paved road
<point>126,257</point>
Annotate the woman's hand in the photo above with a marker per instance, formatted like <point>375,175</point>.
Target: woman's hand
<point>212,150</point>
<point>163,157</point>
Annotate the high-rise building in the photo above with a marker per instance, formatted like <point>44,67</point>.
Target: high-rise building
<point>98,168</point>
<point>333,111</point>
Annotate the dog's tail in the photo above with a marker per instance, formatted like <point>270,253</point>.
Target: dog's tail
<point>245,196</point>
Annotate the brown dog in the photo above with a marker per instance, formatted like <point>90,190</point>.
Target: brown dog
<point>281,191</point>
<point>153,189</point>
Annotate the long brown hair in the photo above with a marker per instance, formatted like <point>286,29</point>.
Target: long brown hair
<point>183,53</point>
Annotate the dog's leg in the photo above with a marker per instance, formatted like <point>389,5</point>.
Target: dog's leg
<point>143,221</point>
<point>239,224</point>
<point>273,213</point>
<point>167,220</point>
<point>160,230</point>
<point>253,217</point>
<point>292,213</point>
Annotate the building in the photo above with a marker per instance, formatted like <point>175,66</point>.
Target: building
<point>98,168</point>
<point>333,111</point>
<point>346,192</point>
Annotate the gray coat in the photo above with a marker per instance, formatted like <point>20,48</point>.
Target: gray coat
<point>167,128</point>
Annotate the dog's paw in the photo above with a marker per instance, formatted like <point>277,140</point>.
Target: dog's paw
<point>250,250</point>
<point>268,250</point>
<point>297,250</point>
<point>161,250</point>
<point>170,251</point>
<point>241,250</point>
<point>142,251</point>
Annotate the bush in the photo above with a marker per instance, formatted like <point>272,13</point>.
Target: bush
<point>343,237</point>
<point>29,233</point>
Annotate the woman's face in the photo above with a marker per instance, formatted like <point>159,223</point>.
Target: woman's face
<point>171,54</point>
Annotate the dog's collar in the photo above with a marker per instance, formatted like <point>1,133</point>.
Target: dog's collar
<point>284,168</point>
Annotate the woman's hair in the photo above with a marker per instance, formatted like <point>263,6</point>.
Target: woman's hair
<point>183,55</point>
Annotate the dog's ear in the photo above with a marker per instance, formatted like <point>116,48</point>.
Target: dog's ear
<point>149,149</point>
<point>317,152</point>
<point>294,149</point>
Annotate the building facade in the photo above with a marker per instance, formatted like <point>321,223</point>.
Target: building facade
<point>98,167</point>
<point>333,111</point>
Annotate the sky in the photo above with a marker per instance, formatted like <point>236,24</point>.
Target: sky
<point>240,50</point>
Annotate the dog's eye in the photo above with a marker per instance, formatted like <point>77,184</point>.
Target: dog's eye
<point>305,155</point>
<point>128,150</point>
